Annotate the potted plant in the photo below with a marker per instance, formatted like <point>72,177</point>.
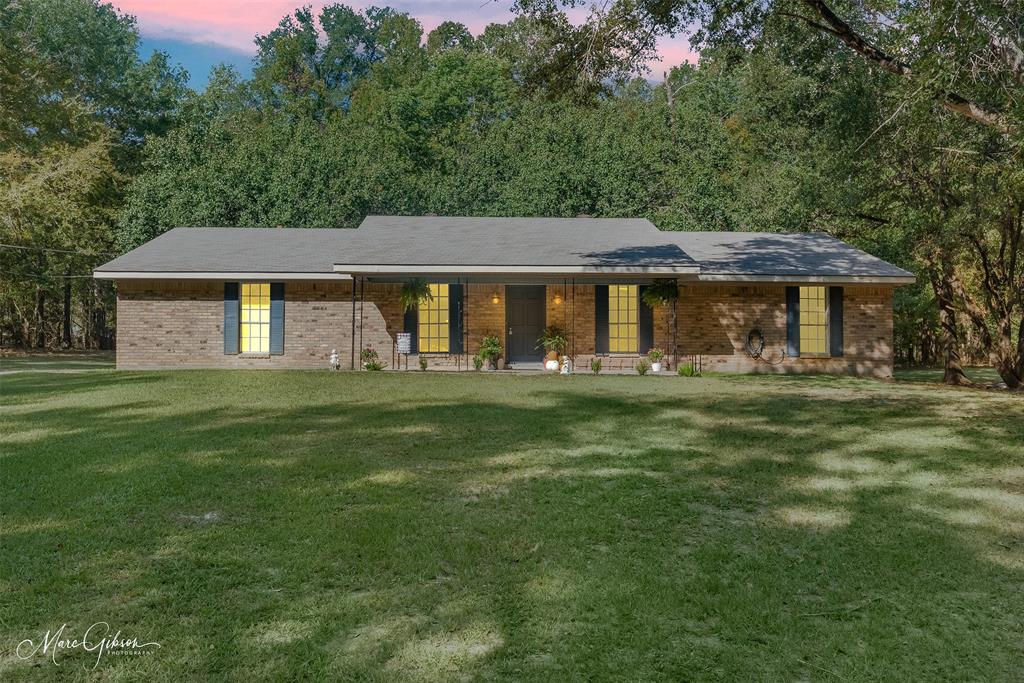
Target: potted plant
<point>554,342</point>
<point>413,294</point>
<point>655,355</point>
<point>490,350</point>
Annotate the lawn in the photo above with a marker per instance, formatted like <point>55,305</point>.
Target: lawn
<point>429,526</point>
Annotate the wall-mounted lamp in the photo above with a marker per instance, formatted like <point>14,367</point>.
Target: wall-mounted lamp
<point>495,299</point>
<point>558,299</point>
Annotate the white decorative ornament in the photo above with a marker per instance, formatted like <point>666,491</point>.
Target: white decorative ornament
<point>566,366</point>
<point>551,365</point>
<point>335,360</point>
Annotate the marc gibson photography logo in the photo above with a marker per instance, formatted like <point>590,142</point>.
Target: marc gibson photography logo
<point>96,640</point>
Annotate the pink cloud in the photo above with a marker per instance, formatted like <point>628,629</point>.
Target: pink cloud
<point>235,23</point>
<point>673,52</point>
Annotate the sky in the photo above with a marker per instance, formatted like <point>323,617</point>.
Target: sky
<point>200,33</point>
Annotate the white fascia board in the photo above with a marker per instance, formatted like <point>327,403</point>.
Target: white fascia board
<point>210,275</point>
<point>820,279</point>
<point>373,269</point>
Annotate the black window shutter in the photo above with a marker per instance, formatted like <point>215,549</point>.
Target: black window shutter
<point>835,321</point>
<point>276,318</point>
<point>455,318</point>
<point>601,318</point>
<point>793,321</point>
<point>645,329</point>
<point>410,324</point>
<point>230,318</point>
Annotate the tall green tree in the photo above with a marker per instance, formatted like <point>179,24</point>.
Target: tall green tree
<point>77,105</point>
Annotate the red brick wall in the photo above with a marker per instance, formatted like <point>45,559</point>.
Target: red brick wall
<point>180,324</point>
<point>714,320</point>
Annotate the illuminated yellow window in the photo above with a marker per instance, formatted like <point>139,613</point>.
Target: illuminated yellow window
<point>813,320</point>
<point>434,321</point>
<point>254,330</point>
<point>622,318</point>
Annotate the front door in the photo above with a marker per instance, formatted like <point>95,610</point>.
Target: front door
<point>524,317</point>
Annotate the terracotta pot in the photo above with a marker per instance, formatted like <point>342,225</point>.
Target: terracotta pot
<point>552,355</point>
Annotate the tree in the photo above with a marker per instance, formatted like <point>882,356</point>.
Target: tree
<point>76,108</point>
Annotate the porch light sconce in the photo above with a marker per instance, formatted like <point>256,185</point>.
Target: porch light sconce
<point>558,299</point>
<point>495,299</point>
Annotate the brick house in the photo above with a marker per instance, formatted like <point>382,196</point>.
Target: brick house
<point>287,298</point>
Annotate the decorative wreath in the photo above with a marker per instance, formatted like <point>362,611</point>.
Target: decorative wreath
<point>755,342</point>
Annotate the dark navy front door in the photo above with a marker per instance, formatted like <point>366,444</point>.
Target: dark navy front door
<point>524,317</point>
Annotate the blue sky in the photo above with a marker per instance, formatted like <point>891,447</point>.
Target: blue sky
<point>201,33</point>
<point>198,58</point>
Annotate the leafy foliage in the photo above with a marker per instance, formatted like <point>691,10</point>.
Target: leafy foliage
<point>414,293</point>
<point>783,126</point>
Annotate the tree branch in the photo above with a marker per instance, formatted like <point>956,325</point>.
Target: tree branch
<point>952,101</point>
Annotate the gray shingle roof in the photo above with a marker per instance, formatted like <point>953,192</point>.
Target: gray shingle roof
<point>771,253</point>
<point>236,250</point>
<point>446,244</point>
<point>450,241</point>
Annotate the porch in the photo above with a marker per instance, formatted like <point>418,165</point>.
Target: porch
<point>606,319</point>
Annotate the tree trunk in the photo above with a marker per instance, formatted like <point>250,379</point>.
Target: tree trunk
<point>40,316</point>
<point>101,331</point>
<point>949,336</point>
<point>66,323</point>
<point>1009,357</point>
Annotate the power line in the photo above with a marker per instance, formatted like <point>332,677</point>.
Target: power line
<point>58,251</point>
<point>33,276</point>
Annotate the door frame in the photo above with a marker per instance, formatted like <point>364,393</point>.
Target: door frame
<point>538,354</point>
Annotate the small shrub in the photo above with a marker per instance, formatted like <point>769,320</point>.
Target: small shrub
<point>490,349</point>
<point>688,370</point>
<point>642,367</point>
<point>371,359</point>
<point>478,362</point>
<point>423,363</point>
<point>595,366</point>
<point>655,355</point>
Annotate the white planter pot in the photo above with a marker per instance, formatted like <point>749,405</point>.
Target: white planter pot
<point>655,367</point>
<point>551,365</point>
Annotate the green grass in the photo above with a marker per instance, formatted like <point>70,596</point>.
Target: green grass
<point>430,526</point>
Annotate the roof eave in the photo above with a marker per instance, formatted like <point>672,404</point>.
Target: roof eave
<point>893,280</point>
<point>100,274</point>
<point>413,269</point>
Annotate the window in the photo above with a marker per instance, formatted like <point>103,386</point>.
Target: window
<point>254,330</point>
<point>622,318</point>
<point>813,320</point>
<point>434,321</point>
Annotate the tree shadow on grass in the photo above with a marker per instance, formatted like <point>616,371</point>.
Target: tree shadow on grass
<point>32,387</point>
<point>563,534</point>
